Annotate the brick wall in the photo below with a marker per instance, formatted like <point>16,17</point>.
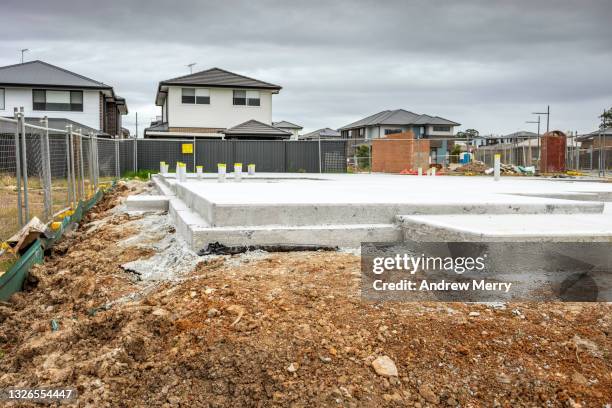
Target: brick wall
<point>398,152</point>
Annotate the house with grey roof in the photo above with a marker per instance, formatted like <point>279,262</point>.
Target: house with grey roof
<point>208,103</point>
<point>63,96</point>
<point>438,130</point>
<point>323,134</point>
<point>255,130</point>
<point>289,127</point>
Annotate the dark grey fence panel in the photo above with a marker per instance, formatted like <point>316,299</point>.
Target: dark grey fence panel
<point>151,152</point>
<point>266,155</point>
<point>302,156</point>
<point>106,158</point>
<point>211,152</point>
<point>126,155</point>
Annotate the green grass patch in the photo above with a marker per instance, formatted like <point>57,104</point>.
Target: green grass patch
<point>139,175</point>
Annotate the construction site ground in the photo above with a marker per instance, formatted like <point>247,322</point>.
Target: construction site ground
<point>171,329</point>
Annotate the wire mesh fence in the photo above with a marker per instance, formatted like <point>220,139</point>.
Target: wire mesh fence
<point>44,171</point>
<point>9,199</point>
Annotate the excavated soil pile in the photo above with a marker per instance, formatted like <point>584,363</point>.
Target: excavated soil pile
<point>285,329</point>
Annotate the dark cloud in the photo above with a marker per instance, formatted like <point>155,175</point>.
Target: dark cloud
<point>484,64</point>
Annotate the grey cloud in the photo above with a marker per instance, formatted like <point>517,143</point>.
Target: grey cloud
<point>485,64</point>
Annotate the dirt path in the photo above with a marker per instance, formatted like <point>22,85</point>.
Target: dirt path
<point>283,329</point>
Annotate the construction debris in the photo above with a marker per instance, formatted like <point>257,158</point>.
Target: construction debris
<point>219,249</point>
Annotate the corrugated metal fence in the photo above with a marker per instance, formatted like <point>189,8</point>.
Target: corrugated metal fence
<point>267,155</point>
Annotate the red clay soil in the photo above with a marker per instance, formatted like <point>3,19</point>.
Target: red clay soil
<point>286,330</point>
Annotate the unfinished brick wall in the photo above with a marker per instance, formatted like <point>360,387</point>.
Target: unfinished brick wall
<point>400,151</point>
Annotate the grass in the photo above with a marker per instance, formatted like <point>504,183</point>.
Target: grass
<point>139,175</point>
<point>8,200</point>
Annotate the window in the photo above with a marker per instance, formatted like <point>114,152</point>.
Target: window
<point>188,95</point>
<point>392,131</point>
<point>441,128</point>
<point>252,98</point>
<point>243,98</point>
<point>50,100</point>
<point>239,97</point>
<point>2,106</point>
<point>200,96</point>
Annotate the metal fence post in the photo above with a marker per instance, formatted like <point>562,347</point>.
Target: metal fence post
<point>68,177</point>
<point>135,150</point>
<point>95,164</point>
<point>46,169</point>
<point>24,163</point>
<point>18,167</point>
<point>72,176</point>
<point>320,164</point>
<point>117,160</point>
<point>81,165</point>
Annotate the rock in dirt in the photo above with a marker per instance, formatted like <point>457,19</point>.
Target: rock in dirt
<point>426,391</point>
<point>384,366</point>
<point>212,312</point>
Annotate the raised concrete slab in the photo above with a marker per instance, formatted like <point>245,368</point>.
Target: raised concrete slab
<point>508,227</point>
<point>344,210</point>
<point>147,203</point>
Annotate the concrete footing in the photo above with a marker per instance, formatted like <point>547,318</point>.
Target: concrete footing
<point>345,210</point>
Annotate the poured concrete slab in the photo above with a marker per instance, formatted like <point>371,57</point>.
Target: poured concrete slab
<point>345,209</point>
<point>508,227</point>
<point>147,203</point>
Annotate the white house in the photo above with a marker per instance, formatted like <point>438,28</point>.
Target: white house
<point>289,127</point>
<point>206,103</point>
<point>43,89</point>
<point>438,130</point>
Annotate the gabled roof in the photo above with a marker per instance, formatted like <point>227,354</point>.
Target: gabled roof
<point>521,134</point>
<point>286,125</point>
<point>594,134</point>
<point>399,117</point>
<point>255,127</point>
<point>39,73</point>
<point>214,77</point>
<point>324,132</point>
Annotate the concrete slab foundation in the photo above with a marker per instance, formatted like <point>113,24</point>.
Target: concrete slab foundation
<point>346,209</point>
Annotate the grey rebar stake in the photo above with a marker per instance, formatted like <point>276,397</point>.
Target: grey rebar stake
<point>24,166</point>
<point>18,168</point>
<point>46,162</point>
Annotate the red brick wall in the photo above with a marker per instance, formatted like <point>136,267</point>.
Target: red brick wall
<point>398,152</point>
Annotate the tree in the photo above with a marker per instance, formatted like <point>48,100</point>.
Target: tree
<point>606,119</point>
<point>468,134</point>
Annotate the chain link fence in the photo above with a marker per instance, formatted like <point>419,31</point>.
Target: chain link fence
<point>45,171</point>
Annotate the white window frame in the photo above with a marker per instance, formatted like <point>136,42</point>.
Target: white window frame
<point>3,99</point>
<point>247,93</point>
<point>197,92</point>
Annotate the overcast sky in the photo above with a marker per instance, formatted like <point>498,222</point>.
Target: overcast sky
<point>485,64</point>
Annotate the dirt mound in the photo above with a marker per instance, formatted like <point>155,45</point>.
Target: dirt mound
<point>285,329</point>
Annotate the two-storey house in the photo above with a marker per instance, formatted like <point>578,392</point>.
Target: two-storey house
<point>215,104</point>
<point>62,96</point>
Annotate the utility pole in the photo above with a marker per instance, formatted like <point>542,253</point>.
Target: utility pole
<point>23,50</point>
<point>547,113</point>
<point>191,67</point>
<point>538,122</point>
